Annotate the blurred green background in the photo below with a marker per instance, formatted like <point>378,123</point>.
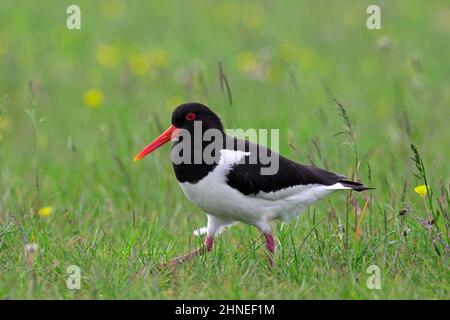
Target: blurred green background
<point>77,105</point>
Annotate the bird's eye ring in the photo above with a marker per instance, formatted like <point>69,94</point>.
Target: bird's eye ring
<point>190,116</point>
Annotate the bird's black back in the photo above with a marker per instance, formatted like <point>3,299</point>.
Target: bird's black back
<point>247,178</point>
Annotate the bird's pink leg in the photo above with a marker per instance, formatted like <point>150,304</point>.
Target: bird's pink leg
<point>188,256</point>
<point>209,242</point>
<point>270,246</point>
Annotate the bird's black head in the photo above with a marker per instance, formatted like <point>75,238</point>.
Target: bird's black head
<point>184,115</point>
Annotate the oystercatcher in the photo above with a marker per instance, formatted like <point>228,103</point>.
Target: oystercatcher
<point>231,186</point>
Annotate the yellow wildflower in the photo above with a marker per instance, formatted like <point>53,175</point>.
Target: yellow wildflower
<point>4,125</point>
<point>107,55</point>
<point>421,190</point>
<point>4,122</point>
<point>253,16</point>
<point>307,58</point>
<point>45,212</point>
<point>253,66</point>
<point>93,98</point>
<point>139,64</point>
<point>248,61</point>
<point>158,57</point>
<point>148,63</point>
<point>289,52</point>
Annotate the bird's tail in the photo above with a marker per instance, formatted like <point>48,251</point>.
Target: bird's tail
<point>357,186</point>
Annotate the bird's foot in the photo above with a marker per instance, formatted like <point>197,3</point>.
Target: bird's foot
<point>181,259</point>
<point>188,256</point>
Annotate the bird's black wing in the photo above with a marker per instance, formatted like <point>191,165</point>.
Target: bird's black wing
<point>247,178</point>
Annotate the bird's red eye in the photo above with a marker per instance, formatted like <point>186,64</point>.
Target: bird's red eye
<point>190,116</point>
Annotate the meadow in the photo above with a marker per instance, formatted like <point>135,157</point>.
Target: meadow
<point>77,105</point>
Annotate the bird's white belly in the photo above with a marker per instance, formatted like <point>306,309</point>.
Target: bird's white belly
<point>221,200</point>
<point>217,198</point>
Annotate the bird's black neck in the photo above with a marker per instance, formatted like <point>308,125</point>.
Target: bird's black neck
<point>193,160</point>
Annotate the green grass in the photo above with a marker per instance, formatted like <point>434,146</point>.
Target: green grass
<point>117,219</point>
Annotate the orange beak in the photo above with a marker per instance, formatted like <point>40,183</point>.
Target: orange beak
<point>158,142</point>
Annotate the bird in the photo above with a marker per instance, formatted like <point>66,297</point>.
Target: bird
<point>230,186</point>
